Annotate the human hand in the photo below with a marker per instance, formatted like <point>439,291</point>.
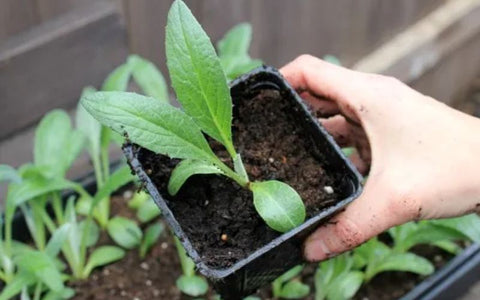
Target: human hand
<point>422,156</point>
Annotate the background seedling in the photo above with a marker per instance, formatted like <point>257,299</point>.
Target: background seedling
<point>289,286</point>
<point>189,283</point>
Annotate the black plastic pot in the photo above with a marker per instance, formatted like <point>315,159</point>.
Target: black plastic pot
<point>284,252</point>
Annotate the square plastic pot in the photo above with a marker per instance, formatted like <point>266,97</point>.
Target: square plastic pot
<point>273,259</point>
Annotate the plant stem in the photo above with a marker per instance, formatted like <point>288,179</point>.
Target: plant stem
<point>57,208</point>
<point>98,170</point>
<point>48,222</point>
<point>230,173</point>
<point>105,163</point>
<point>38,291</point>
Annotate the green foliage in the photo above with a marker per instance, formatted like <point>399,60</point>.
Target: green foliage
<point>138,199</point>
<point>189,283</point>
<point>336,279</point>
<point>201,88</point>
<point>287,286</point>
<point>278,204</point>
<point>151,236</point>
<point>103,256</point>
<point>148,211</point>
<point>124,232</point>
<point>233,51</point>
<point>187,168</point>
<point>148,78</point>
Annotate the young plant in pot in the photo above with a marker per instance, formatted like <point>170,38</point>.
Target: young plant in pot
<point>242,221</point>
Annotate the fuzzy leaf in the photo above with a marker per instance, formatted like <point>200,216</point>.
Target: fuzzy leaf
<point>407,262</point>
<point>294,290</point>
<point>149,78</point>
<point>192,285</point>
<point>197,76</point>
<point>468,225</point>
<point>124,232</point>
<point>118,79</point>
<point>87,124</point>
<point>103,256</point>
<point>156,126</point>
<point>15,287</point>
<point>56,144</point>
<point>42,266</point>
<point>57,240</point>
<point>151,236</point>
<point>148,211</point>
<point>278,204</point>
<point>8,173</point>
<point>187,168</point>
<point>345,286</point>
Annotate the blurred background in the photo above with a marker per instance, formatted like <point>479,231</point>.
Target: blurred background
<point>51,49</point>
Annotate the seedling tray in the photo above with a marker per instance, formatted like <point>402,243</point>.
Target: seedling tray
<point>265,264</point>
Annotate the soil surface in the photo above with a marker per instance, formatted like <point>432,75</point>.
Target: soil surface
<point>273,145</point>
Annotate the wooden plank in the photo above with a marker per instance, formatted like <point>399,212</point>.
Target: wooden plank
<point>47,67</point>
<point>413,52</point>
<point>47,9</point>
<point>15,16</point>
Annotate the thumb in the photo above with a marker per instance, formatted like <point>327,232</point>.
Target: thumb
<point>367,216</point>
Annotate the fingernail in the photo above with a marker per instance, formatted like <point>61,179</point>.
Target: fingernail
<point>316,250</point>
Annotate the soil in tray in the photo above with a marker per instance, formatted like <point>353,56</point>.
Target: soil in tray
<point>273,145</point>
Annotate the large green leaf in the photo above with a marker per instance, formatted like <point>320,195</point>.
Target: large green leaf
<point>187,168</point>
<point>87,124</point>
<point>103,256</point>
<point>345,286</point>
<point>406,262</point>
<point>149,78</point>
<point>428,235</point>
<point>197,76</point>
<point>57,145</point>
<point>156,126</point>
<point>124,232</point>
<point>278,204</point>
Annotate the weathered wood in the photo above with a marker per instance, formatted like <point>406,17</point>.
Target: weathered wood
<point>15,16</point>
<point>420,47</point>
<point>47,9</point>
<point>47,67</point>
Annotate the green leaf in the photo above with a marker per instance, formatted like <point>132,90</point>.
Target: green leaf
<point>103,256</point>
<point>348,151</point>
<point>236,41</point>
<point>148,211</point>
<point>448,246</point>
<point>94,232</point>
<point>57,240</point>
<point>138,199</point>
<point>156,126</point>
<point>294,290</point>
<point>87,124</point>
<point>151,236</point>
<point>239,167</point>
<point>332,59</point>
<point>187,168</point>
<point>118,79</point>
<point>24,295</point>
<point>468,225</point>
<point>8,173</point>
<point>56,144</point>
<point>278,204</point>
<point>197,76</point>
<point>119,178</point>
<point>188,266</point>
<point>192,285</point>
<point>124,232</point>
<point>66,293</point>
<point>406,262</point>
<point>290,274</point>
<point>149,78</point>
<point>15,287</point>
<point>428,235</point>
<point>345,286</point>
<point>42,266</point>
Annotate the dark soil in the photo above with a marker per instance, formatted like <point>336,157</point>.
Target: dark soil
<point>273,145</point>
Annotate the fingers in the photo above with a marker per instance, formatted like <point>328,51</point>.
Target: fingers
<point>308,73</point>
<point>339,129</point>
<point>321,107</point>
<point>366,217</point>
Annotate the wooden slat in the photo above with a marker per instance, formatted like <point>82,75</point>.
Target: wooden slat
<point>47,9</point>
<point>15,16</point>
<point>47,67</point>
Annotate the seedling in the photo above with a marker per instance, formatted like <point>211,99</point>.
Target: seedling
<point>189,283</point>
<point>201,88</point>
<point>336,279</point>
<point>289,286</point>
